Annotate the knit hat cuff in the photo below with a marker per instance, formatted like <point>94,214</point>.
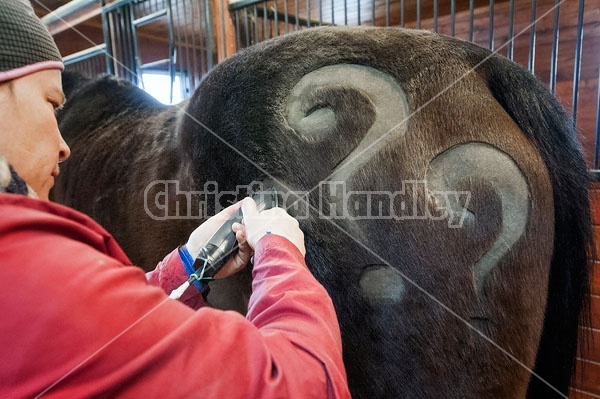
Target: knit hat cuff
<point>27,69</point>
<point>26,46</point>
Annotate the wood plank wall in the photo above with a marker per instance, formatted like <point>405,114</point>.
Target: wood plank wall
<point>587,382</point>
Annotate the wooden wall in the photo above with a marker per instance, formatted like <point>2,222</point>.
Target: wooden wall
<point>587,383</point>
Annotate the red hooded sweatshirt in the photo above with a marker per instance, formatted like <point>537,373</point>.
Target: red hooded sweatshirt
<point>78,321</point>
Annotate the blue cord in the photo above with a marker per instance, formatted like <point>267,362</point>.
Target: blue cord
<point>188,264</point>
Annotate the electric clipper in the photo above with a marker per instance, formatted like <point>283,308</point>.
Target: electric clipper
<point>223,244</point>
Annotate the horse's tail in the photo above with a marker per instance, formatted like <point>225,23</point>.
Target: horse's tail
<point>544,121</point>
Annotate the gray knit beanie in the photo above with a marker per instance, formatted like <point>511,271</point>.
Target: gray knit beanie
<point>26,46</point>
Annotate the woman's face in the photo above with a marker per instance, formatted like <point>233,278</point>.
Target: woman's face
<point>29,135</point>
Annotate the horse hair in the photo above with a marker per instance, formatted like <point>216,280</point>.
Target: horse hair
<point>458,94</point>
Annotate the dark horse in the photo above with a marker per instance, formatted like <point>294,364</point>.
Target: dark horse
<point>448,219</point>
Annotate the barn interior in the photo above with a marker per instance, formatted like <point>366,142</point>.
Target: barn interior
<point>168,46</point>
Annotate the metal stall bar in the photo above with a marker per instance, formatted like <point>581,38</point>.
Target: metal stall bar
<point>255,13</point>
<point>435,15</point>
<point>70,14</point>
<point>285,14</point>
<point>511,30</point>
<point>90,67</point>
<point>186,41</point>
<point>237,29</point>
<point>117,35</point>
<point>270,15</point>
<point>320,12</point>
<point>110,66</point>
<point>453,17</point>
<point>491,31</point>
<point>554,53</point>
<point>64,11</point>
<point>471,16</point>
<point>531,59</point>
<point>577,67</point>
<point>265,35</point>
<point>202,39</point>
<point>333,11</point>
<point>84,54</point>
<point>196,73</point>
<point>117,18</point>
<point>387,12</point>
<point>149,18</point>
<point>130,50</point>
<point>166,12</point>
<point>418,5</point>
<point>346,11</point>
<point>308,15</point>
<point>255,23</point>
<point>138,23</point>
<point>210,37</point>
<point>276,18</point>
<point>177,37</point>
<point>373,20</point>
<point>358,10</point>
<point>222,18</point>
<point>246,26</point>
<point>119,27</point>
<point>402,13</point>
<point>154,64</point>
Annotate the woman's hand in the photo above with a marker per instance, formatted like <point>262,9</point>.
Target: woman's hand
<point>202,233</point>
<point>272,221</point>
<point>255,226</point>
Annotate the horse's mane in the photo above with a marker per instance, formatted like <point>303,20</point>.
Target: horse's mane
<point>101,99</point>
<point>72,82</point>
<point>121,92</point>
<point>544,121</point>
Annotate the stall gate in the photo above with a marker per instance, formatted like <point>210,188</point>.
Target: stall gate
<point>557,40</point>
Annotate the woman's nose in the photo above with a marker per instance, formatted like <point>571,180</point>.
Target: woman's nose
<point>64,151</point>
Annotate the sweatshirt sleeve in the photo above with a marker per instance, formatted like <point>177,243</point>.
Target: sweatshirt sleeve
<point>296,315</point>
<point>79,323</point>
<point>169,274</point>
